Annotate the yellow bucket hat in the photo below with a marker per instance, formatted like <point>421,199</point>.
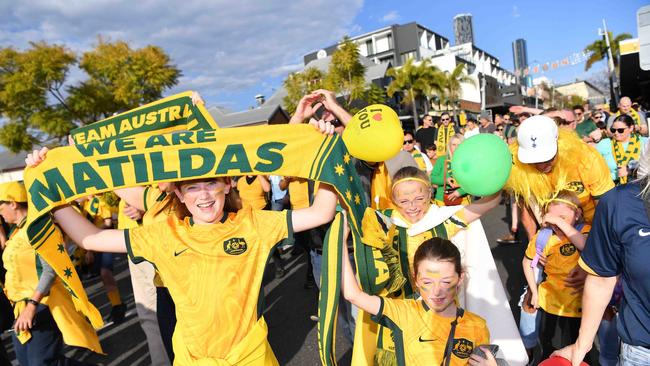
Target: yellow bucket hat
<point>13,191</point>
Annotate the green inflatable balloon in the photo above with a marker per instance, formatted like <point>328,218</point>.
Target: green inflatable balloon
<point>481,164</point>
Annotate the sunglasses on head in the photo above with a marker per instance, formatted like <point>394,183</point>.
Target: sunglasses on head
<point>619,130</point>
<point>408,142</point>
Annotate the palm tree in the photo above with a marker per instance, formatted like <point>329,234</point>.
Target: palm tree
<point>413,81</point>
<point>453,85</point>
<point>598,49</point>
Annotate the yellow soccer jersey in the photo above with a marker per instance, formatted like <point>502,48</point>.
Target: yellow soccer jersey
<point>553,295</point>
<point>589,181</point>
<point>299,193</point>
<point>97,211</point>
<point>214,274</point>
<point>421,335</point>
<point>251,194</point>
<point>123,221</point>
<point>157,207</point>
<point>20,260</point>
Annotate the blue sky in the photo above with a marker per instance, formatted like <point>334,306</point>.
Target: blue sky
<point>231,50</point>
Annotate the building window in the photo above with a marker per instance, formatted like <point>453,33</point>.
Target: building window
<point>386,59</point>
<point>384,43</point>
<point>369,48</point>
<point>407,55</point>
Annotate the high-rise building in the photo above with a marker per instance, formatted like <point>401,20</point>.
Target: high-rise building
<point>520,54</point>
<point>463,30</point>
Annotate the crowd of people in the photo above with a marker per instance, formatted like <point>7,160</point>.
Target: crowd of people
<point>576,198</point>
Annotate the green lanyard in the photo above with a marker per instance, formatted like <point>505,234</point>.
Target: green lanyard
<point>450,339</point>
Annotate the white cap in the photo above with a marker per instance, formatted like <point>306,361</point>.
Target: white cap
<point>537,138</point>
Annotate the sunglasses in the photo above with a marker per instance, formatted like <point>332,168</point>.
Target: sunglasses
<point>499,129</point>
<point>408,142</point>
<point>578,113</point>
<point>619,130</point>
<point>445,119</point>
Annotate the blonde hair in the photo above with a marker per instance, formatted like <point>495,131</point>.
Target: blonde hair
<point>410,173</point>
<point>459,137</point>
<point>567,198</point>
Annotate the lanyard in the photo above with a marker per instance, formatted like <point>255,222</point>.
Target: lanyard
<point>450,339</point>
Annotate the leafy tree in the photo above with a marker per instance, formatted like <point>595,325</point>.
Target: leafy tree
<point>414,81</point>
<point>453,85</point>
<point>375,95</point>
<point>346,72</point>
<point>39,106</point>
<point>345,77</point>
<point>298,84</point>
<point>598,49</point>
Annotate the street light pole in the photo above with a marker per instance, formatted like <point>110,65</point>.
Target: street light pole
<point>613,84</point>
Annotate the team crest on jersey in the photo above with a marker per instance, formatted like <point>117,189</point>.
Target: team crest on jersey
<point>462,347</point>
<point>567,249</point>
<point>576,187</point>
<point>235,246</point>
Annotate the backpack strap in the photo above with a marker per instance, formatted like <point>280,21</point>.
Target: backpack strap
<point>543,236</point>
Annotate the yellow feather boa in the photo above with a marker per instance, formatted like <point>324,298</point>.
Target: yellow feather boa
<point>531,185</point>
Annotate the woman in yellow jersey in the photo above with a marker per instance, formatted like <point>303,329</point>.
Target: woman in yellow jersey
<point>45,314</point>
<point>443,176</point>
<point>415,220</point>
<point>431,330</point>
<point>253,191</point>
<point>560,305</point>
<point>209,258</point>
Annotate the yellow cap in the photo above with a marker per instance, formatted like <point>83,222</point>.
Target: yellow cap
<point>13,191</point>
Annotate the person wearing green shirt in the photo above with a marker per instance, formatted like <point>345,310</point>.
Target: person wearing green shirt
<point>585,125</point>
<point>443,177</point>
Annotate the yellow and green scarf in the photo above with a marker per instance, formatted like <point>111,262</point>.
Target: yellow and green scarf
<point>288,150</point>
<point>623,156</point>
<point>442,138</point>
<point>632,113</point>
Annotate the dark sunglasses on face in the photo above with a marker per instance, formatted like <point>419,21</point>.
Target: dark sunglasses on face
<point>619,130</point>
<point>408,142</point>
<point>444,119</point>
<point>499,129</point>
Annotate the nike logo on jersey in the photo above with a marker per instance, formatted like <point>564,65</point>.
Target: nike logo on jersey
<point>643,233</point>
<point>176,254</point>
<point>427,340</point>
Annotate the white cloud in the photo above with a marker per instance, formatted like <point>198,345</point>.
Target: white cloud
<point>391,16</point>
<point>515,11</point>
<point>222,47</point>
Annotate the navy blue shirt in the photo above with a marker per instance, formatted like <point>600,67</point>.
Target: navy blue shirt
<point>619,243</point>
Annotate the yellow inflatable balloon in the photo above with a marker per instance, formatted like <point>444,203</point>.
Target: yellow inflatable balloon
<point>374,134</point>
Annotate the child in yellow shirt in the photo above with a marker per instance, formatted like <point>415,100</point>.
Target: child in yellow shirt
<point>560,305</point>
<point>431,330</point>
